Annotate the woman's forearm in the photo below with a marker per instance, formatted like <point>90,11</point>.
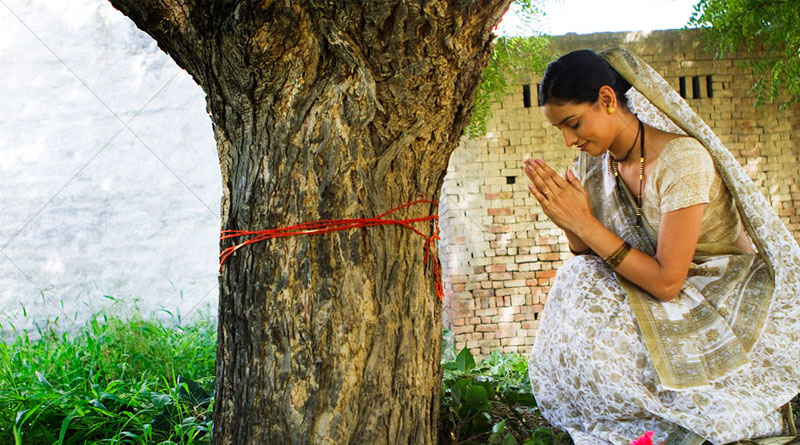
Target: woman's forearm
<point>576,244</point>
<point>661,281</point>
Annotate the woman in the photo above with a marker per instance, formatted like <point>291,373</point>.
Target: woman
<point>666,319</point>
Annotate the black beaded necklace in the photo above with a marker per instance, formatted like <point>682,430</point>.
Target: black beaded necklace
<point>630,150</point>
<point>615,166</point>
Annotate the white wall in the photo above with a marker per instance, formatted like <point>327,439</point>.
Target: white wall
<point>109,178</point>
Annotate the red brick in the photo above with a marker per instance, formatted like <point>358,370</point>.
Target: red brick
<point>485,302</point>
<point>487,311</point>
<point>511,310</point>
<point>499,211</point>
<point>508,330</point>
<point>513,341</point>
<point>483,293</point>
<point>523,275</point>
<point>463,329</point>
<point>501,276</point>
<point>505,291</point>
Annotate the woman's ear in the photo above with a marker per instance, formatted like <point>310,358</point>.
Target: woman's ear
<point>607,98</point>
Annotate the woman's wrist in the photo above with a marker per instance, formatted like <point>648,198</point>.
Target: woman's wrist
<point>585,251</point>
<point>585,230</point>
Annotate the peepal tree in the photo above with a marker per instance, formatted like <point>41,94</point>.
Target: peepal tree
<point>328,110</point>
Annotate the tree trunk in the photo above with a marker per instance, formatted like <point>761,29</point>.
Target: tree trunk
<point>328,111</point>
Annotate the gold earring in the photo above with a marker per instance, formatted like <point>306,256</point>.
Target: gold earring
<point>611,110</point>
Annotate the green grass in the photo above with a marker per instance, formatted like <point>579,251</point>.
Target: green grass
<point>112,380</point>
<point>138,380</point>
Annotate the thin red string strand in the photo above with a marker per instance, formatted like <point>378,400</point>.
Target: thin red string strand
<point>335,225</point>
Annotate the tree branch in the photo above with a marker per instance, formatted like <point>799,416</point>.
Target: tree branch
<point>170,23</point>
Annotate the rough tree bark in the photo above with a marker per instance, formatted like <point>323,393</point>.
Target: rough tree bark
<point>328,110</point>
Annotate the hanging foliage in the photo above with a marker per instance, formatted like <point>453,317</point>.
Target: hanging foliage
<point>512,57</point>
<point>737,25</point>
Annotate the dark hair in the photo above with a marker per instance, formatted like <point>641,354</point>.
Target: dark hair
<point>577,77</point>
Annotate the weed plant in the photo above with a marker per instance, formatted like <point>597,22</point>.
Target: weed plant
<point>137,380</point>
<point>491,402</point>
<point>113,380</point>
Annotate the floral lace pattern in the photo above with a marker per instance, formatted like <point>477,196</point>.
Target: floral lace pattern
<point>592,375</point>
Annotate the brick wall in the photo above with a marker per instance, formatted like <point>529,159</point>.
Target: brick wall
<point>500,254</point>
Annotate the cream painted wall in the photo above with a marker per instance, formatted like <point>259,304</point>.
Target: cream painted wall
<point>109,178</point>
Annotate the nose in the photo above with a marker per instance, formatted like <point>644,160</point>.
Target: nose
<point>569,137</point>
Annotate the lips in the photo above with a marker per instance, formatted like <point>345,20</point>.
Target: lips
<point>583,146</point>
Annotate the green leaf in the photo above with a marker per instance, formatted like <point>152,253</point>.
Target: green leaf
<point>159,401</point>
<point>459,389</point>
<point>43,380</point>
<point>450,366</point>
<point>519,398</point>
<point>464,361</point>
<point>541,436</point>
<point>766,31</point>
<point>477,398</point>
<point>511,57</point>
<point>22,417</point>
<point>499,433</point>
<point>499,427</point>
<point>99,405</point>
<point>65,424</point>
<point>193,392</point>
<point>509,440</point>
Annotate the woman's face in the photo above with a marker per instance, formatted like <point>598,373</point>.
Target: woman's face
<point>584,125</point>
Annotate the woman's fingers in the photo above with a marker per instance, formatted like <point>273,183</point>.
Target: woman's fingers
<point>540,196</point>
<point>551,179</point>
<point>535,178</point>
<point>575,182</point>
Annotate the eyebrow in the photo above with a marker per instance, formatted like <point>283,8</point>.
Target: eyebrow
<point>565,119</point>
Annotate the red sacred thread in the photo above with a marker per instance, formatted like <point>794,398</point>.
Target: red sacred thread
<point>334,225</point>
